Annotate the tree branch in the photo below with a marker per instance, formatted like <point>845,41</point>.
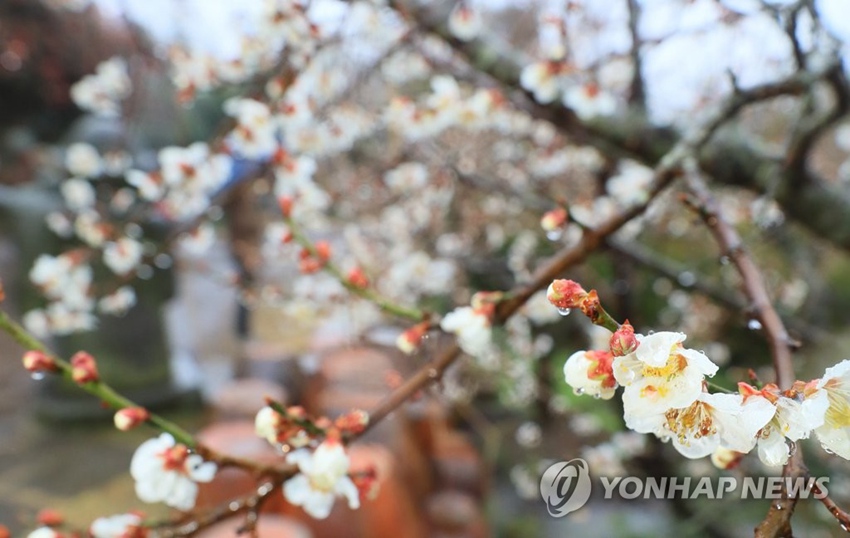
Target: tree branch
<point>778,520</point>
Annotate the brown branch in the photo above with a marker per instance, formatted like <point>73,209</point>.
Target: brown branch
<point>637,89</point>
<point>777,522</point>
<point>840,515</point>
<point>249,504</point>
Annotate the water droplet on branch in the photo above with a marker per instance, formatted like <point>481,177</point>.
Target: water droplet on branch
<point>564,311</point>
<point>754,324</point>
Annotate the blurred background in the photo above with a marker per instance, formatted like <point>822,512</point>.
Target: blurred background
<point>435,202</point>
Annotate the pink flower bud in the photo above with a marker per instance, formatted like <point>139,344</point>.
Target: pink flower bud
<point>323,250</point>
<point>623,341</point>
<point>130,417</point>
<point>409,340</point>
<point>83,368</point>
<point>50,518</point>
<point>554,220</point>
<point>723,458</point>
<point>353,422</point>
<point>358,279</point>
<point>565,294</point>
<point>285,203</point>
<point>38,362</point>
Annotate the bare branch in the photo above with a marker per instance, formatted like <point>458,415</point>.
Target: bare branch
<point>637,94</point>
<point>778,520</point>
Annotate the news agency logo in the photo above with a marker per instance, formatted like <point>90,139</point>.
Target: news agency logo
<point>565,486</point>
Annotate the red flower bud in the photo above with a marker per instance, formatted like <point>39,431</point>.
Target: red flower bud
<point>285,203</point>
<point>50,518</point>
<point>358,279</point>
<point>38,362</point>
<point>353,422</point>
<point>623,340</point>
<point>130,417</point>
<point>83,368</point>
<point>323,250</point>
<point>409,340</point>
<point>554,219</point>
<point>366,482</point>
<point>565,294</point>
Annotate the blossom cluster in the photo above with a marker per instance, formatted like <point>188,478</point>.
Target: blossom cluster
<point>665,393</point>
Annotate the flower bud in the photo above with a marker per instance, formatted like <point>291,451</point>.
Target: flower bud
<point>130,417</point>
<point>367,483</point>
<point>565,294</point>
<point>358,279</point>
<point>50,518</point>
<point>623,340</point>
<point>323,250</point>
<point>5,532</point>
<point>723,458</point>
<point>554,220</point>
<point>36,362</point>
<point>285,203</point>
<point>353,422</point>
<point>409,340</point>
<point>83,368</point>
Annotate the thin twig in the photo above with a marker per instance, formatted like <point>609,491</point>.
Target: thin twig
<point>840,515</point>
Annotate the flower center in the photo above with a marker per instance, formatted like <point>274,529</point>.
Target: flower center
<point>676,364</point>
<point>174,458</point>
<point>693,422</point>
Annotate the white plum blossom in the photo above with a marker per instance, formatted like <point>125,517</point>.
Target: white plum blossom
<point>589,101</point>
<point>118,302</point>
<point>255,134</point>
<point>83,160</point>
<point>150,186</point>
<point>37,322</point>
<point>59,223</point>
<point>123,255</point>
<point>78,194</point>
<point>661,374</point>
<point>793,421</point>
<point>589,372</point>
<point>631,184</point>
<point>465,22</point>
<point>711,421</point>
<point>65,319</point>
<point>472,328</point>
<point>165,471</point>
<point>118,526</point>
<point>90,228</point>
<point>544,80</point>
<point>266,424</point>
<point>101,91</point>
<point>407,177</point>
<point>44,532</point>
<point>199,241</point>
<point>191,175</point>
<point>834,433</point>
<point>323,476</point>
